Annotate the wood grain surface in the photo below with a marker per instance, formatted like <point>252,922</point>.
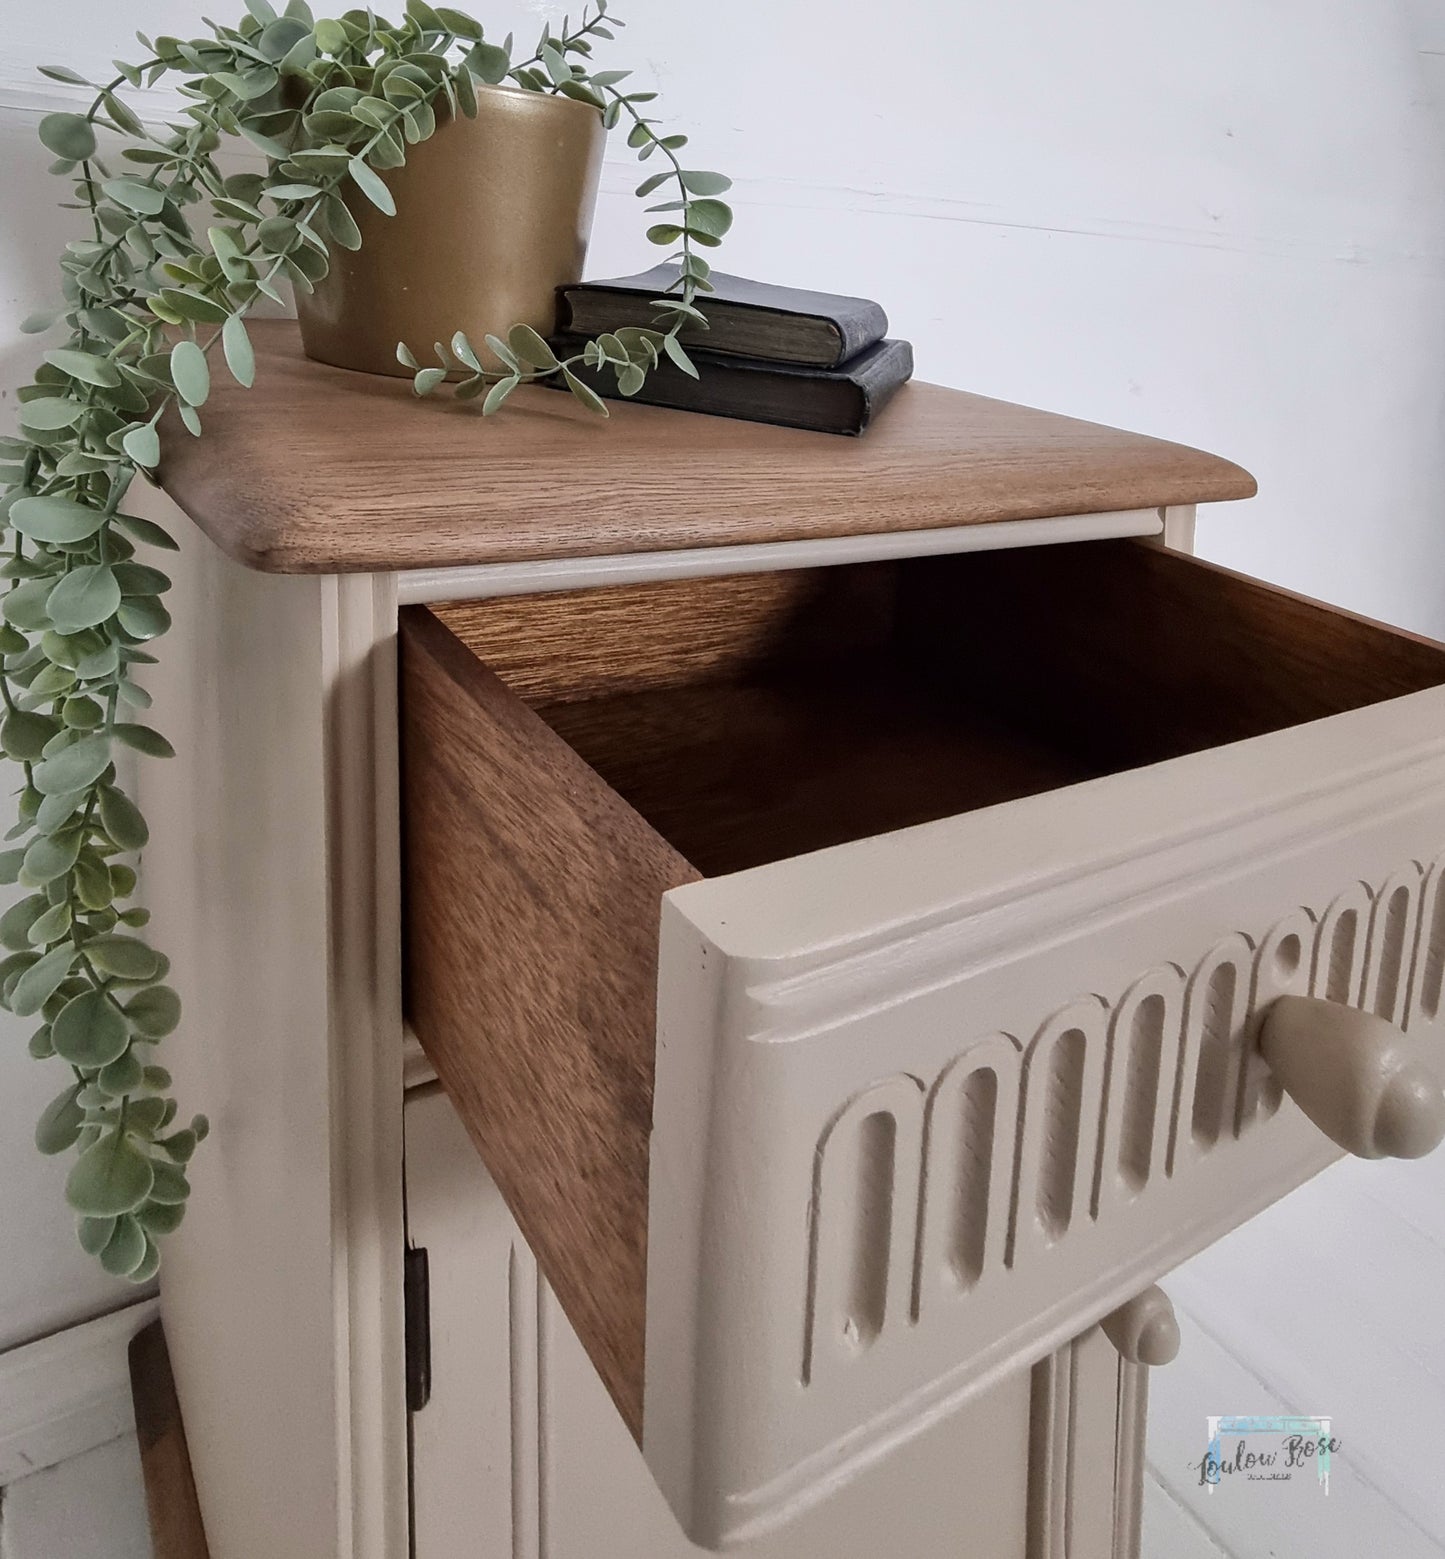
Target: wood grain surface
<point>177,1531</point>
<point>318,470</point>
<point>533,899</point>
<point>1128,654</point>
<point>738,774</point>
<point>571,644</point>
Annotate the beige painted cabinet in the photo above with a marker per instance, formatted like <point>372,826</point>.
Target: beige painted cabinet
<point>801,948</point>
<point>519,1451</point>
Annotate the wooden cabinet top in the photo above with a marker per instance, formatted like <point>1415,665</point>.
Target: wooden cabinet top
<point>319,470</point>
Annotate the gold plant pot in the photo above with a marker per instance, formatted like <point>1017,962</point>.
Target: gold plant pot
<point>493,214</point>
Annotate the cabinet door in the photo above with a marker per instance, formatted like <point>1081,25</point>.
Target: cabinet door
<point>519,1454</point>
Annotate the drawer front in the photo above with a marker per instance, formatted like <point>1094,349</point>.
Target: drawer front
<point>862,1130</point>
<point>928,1105</point>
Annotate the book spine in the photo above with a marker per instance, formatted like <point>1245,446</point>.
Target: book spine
<point>879,380</point>
<point>862,328</point>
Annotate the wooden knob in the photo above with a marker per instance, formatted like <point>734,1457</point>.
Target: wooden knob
<point>1357,1077</point>
<point>1144,1330</point>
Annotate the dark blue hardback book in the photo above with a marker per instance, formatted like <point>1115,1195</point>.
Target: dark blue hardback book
<point>824,400</point>
<point>745,318</point>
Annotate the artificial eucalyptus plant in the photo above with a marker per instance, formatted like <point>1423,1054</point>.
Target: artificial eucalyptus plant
<point>175,256</point>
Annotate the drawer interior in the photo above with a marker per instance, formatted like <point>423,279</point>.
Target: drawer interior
<point>569,758</point>
<point>751,718</point>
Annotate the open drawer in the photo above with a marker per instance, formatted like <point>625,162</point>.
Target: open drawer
<point>851,977</point>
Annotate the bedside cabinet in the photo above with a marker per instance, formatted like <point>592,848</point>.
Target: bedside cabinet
<point>725,963</point>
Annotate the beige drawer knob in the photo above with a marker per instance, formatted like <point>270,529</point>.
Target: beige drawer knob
<point>1357,1077</point>
<point>1144,1330</point>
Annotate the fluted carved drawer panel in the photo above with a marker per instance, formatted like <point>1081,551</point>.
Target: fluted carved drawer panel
<point>853,978</point>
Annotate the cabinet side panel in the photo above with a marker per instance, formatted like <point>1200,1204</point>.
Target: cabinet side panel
<point>236,874</point>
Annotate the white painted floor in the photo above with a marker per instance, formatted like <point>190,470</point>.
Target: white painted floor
<point>1330,1302</point>
<point>90,1507</point>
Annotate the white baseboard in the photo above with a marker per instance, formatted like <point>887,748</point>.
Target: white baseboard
<point>67,1393</point>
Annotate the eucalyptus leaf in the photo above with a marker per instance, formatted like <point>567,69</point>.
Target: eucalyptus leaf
<point>141,579</point>
<point>24,606</point>
<point>111,1178</point>
<point>17,920</point>
<point>56,812</point>
<point>236,344</point>
<point>530,346</point>
<point>371,185</point>
<point>190,373</point>
<point>498,394</point>
<point>120,115</point>
<point>584,393</point>
<point>49,857</point>
<point>93,885</point>
<point>181,1146</point>
<point>85,366</point>
<point>125,1249</point>
<point>195,306</point>
<point>84,597</point>
<point>122,1076</point>
<point>149,1264</point>
<point>143,445</point>
<point>144,199</point>
<point>67,135</point>
<point>124,956</point>
<point>710,217</point>
<point>143,739</point>
<point>50,413</point>
<point>463,352</point>
<point>73,768</point>
<point>94,1234</point>
<point>341,224</point>
<point>40,981</point>
<point>52,925</point>
<point>147,531</point>
<point>89,1030</point>
<point>466,93</point>
<point>23,735</point>
<point>82,713</point>
<point>674,349</point>
<point>489,63</point>
<point>696,183</point>
<point>169,1186</point>
<point>331,36</point>
<point>59,1125</point>
<point>121,819</point>
<point>158,1218</point>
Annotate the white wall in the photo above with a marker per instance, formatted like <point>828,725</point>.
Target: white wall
<point>1222,222</point>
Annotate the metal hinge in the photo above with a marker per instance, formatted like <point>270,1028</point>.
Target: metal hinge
<point>416,1303</point>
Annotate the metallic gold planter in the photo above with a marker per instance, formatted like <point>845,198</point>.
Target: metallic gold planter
<point>492,215</point>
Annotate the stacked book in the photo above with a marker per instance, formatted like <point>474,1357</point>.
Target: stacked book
<point>768,354</point>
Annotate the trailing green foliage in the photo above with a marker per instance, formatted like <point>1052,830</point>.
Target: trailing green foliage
<point>155,299</point>
<point>696,219</point>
